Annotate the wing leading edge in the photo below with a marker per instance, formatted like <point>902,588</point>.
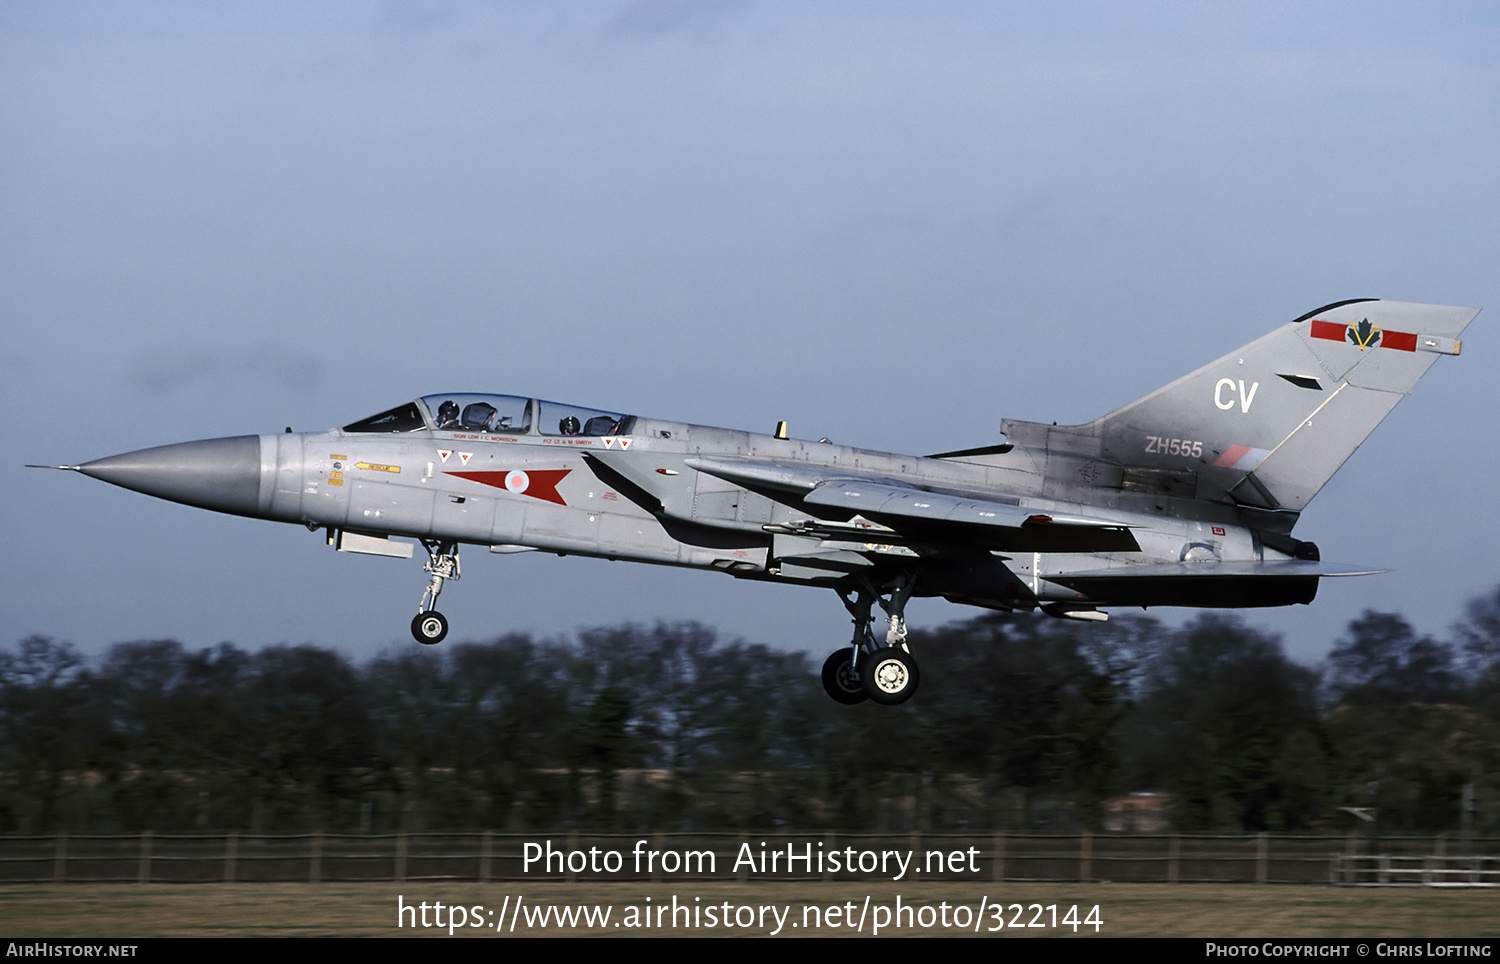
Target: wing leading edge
<point>921,514</point>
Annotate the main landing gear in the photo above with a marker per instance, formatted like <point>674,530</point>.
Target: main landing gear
<point>884,672</point>
<point>430,626</point>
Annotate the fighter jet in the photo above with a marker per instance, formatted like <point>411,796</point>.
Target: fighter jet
<point>1186,497</point>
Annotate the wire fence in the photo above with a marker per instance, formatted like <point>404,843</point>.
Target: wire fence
<point>488,856</point>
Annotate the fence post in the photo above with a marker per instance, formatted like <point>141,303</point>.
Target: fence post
<point>400,855</point>
<point>315,858</point>
<point>231,854</point>
<point>1174,853</point>
<point>60,859</point>
<point>1262,856</point>
<point>485,848</point>
<point>1086,856</point>
<point>144,874</point>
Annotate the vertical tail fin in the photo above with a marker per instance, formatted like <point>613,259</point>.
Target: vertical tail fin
<point>1267,425</point>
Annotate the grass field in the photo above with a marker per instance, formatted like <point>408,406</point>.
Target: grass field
<point>370,910</point>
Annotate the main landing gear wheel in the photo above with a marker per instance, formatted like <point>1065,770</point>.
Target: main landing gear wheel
<point>890,675</point>
<point>429,628</point>
<point>839,679</point>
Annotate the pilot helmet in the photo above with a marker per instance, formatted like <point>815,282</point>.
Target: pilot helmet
<point>570,425</point>
<point>448,412</point>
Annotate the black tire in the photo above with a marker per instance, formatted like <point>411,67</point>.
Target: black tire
<point>839,681</point>
<point>429,628</point>
<point>890,675</point>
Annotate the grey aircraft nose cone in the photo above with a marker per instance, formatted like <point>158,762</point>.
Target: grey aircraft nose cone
<point>221,473</point>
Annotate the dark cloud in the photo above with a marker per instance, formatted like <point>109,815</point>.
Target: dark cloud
<point>13,364</point>
<point>652,19</point>
<point>174,370</point>
<point>164,372</point>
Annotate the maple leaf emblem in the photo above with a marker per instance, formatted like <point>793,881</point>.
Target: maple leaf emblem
<point>1363,335</point>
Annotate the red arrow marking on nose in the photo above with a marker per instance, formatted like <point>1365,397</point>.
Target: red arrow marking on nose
<point>542,484</point>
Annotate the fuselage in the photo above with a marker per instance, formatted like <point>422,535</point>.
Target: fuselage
<point>572,481</point>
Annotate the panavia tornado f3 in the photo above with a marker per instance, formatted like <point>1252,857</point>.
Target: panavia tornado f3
<point>1186,497</point>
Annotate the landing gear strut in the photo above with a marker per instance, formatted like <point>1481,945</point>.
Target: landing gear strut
<point>884,672</point>
<point>430,626</point>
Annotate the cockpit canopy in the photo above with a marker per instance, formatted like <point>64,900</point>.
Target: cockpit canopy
<point>491,415</point>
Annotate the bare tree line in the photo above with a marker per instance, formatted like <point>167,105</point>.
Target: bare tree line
<point>1024,724</point>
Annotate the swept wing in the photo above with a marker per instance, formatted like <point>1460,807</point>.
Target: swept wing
<point>921,514</point>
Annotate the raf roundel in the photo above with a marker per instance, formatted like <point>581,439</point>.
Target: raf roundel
<point>517,481</point>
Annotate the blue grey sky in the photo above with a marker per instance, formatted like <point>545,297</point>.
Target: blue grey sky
<point>889,223</point>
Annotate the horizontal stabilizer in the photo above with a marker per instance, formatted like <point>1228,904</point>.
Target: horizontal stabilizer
<point>1221,570</point>
<point>1223,585</point>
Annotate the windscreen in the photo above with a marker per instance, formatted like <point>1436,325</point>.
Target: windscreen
<point>402,418</point>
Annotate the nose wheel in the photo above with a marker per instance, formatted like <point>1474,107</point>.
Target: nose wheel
<point>430,626</point>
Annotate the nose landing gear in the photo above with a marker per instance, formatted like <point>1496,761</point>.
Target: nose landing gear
<point>430,626</point>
